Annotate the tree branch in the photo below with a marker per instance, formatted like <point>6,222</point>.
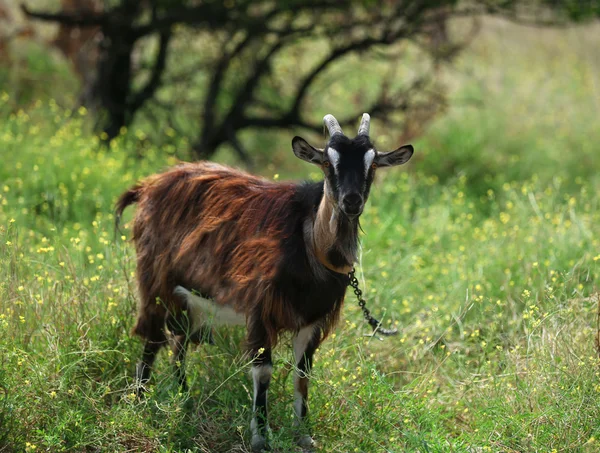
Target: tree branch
<point>333,56</point>
<point>202,14</point>
<point>159,66</point>
<point>383,105</point>
<point>247,91</point>
<point>215,84</point>
<point>239,149</point>
<point>214,14</point>
<point>75,19</point>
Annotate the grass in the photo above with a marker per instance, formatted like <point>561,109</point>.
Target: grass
<point>485,254</point>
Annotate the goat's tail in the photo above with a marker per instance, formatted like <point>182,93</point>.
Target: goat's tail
<point>129,197</point>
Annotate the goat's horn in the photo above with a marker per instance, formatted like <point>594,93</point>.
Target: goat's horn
<point>364,124</point>
<point>332,125</point>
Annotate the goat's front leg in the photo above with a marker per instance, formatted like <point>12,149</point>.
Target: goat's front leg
<point>305,342</point>
<point>262,368</point>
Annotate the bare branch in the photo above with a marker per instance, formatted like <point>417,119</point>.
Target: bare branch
<point>159,66</point>
<point>210,14</point>
<point>214,15</point>
<point>333,56</point>
<point>239,149</point>
<point>215,84</point>
<point>246,92</point>
<point>75,19</point>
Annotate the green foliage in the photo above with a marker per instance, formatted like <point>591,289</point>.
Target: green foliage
<point>576,10</point>
<point>485,254</point>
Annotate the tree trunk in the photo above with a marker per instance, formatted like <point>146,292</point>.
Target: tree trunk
<point>113,84</point>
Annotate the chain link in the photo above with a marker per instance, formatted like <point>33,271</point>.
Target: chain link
<point>358,293</point>
<point>374,323</point>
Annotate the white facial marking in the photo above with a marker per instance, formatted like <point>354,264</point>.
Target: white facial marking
<point>334,156</point>
<point>206,311</point>
<point>369,157</point>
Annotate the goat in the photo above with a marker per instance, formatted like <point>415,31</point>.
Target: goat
<point>217,243</point>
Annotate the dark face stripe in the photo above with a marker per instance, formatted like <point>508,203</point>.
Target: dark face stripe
<point>350,170</point>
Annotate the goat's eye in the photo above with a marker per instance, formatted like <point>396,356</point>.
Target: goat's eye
<point>373,165</point>
<point>326,164</point>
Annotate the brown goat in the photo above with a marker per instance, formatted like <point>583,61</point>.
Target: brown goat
<point>217,244</point>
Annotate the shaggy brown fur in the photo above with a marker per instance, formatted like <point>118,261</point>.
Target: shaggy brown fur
<point>220,232</point>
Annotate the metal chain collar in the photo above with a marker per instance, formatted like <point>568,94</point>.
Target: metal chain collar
<point>374,323</point>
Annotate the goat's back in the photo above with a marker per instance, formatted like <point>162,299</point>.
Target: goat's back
<point>209,228</point>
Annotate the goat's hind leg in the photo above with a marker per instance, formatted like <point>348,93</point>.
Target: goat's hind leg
<point>179,345</point>
<point>186,324</point>
<point>151,327</point>
<point>181,328</point>
<point>144,366</point>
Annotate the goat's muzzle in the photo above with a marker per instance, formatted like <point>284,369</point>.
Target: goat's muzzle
<point>352,204</point>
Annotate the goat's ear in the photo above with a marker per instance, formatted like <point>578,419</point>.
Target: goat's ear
<point>397,157</point>
<point>307,152</point>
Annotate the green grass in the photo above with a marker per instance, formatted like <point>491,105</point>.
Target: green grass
<point>485,253</point>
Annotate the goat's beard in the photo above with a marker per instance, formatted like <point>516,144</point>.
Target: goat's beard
<point>346,230</point>
<point>339,217</point>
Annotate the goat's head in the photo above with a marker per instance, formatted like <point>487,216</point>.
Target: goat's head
<point>349,164</point>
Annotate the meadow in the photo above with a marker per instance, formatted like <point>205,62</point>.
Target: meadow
<point>484,252</point>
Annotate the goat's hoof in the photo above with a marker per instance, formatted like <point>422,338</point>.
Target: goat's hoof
<point>204,335</point>
<point>140,388</point>
<point>140,392</point>
<point>259,443</point>
<point>306,442</point>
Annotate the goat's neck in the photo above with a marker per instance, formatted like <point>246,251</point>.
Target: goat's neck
<point>333,233</point>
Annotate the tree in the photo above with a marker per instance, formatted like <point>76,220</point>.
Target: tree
<point>240,85</point>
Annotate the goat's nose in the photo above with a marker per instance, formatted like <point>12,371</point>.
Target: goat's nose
<point>352,203</point>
